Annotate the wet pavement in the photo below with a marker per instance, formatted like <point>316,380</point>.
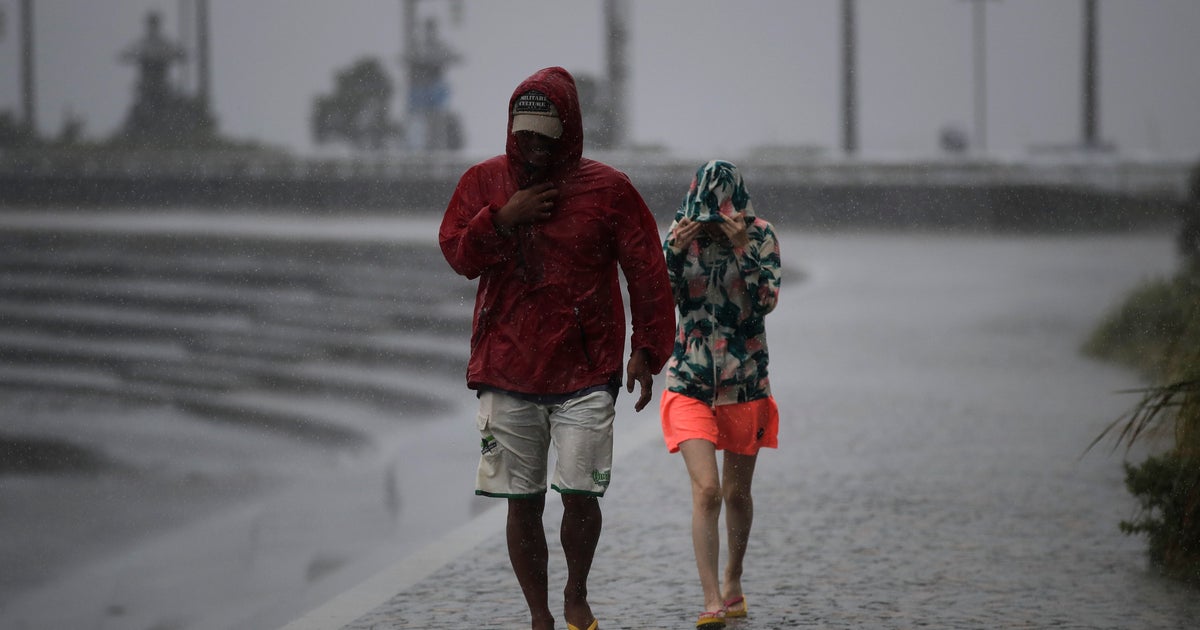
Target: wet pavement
<point>931,469</point>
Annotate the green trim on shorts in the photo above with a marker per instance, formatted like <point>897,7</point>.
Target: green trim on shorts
<point>498,495</point>
<point>583,492</point>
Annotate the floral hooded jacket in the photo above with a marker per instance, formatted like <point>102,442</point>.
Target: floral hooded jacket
<point>723,294</point>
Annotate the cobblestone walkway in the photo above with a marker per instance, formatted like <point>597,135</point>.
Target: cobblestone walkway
<point>930,470</point>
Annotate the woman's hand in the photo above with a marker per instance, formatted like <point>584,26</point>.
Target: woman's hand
<point>684,233</point>
<point>734,228</point>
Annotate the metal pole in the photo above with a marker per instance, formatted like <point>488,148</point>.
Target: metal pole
<point>980,21</point>
<point>204,78</point>
<point>409,17</point>
<point>616,19</point>
<point>849,96</point>
<point>184,17</point>
<point>1091,106</point>
<point>27,77</point>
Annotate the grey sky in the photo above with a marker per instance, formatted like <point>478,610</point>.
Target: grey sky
<point>708,77</point>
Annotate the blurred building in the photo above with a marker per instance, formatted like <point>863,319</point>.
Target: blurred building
<point>430,124</point>
<point>161,113</point>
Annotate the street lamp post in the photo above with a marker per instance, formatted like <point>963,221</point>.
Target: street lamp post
<point>979,62</point>
<point>849,92</point>
<point>1091,105</point>
<point>27,76</point>
<point>616,18</point>
<point>203,70</point>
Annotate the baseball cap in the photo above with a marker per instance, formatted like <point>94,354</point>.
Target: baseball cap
<point>534,112</point>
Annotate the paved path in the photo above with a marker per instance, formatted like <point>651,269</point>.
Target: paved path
<point>930,471</point>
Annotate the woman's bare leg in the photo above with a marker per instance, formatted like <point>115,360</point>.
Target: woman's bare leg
<point>701,460</point>
<point>738,475</point>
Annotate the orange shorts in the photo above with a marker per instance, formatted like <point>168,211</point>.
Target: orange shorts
<point>740,428</point>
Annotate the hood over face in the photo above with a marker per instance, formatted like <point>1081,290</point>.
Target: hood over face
<point>717,189</point>
<point>559,87</point>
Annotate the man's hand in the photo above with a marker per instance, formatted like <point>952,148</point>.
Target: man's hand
<point>639,370</point>
<point>528,205</point>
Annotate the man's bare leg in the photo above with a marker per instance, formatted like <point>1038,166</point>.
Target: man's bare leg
<point>580,534</point>
<point>528,553</point>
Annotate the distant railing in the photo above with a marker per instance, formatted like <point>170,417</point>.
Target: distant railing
<point>1104,172</point>
<point>1162,179</point>
<point>218,164</point>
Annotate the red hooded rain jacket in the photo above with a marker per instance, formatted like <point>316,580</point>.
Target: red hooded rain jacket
<point>549,317</point>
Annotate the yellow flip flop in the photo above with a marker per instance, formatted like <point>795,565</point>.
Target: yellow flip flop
<point>711,620</point>
<point>736,607</point>
<point>595,626</point>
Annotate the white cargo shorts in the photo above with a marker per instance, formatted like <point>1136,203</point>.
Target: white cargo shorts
<point>516,436</point>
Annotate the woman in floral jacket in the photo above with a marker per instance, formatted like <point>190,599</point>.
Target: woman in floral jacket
<point>725,273</point>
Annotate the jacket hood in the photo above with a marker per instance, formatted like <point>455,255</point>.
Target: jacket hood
<point>559,86</point>
<point>717,189</point>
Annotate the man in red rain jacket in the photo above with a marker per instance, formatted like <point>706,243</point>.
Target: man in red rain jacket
<point>544,230</point>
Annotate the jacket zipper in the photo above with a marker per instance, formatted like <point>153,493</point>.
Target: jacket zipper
<point>483,323</point>
<point>712,282</point>
<point>582,337</point>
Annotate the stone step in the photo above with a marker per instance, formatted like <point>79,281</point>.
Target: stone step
<point>328,338</point>
<point>254,411</point>
<point>316,307</point>
<point>375,281</point>
<point>408,273</point>
<point>153,294</point>
<point>219,253</point>
<point>238,335</point>
<point>302,414</point>
<point>88,319</point>
<point>169,367</point>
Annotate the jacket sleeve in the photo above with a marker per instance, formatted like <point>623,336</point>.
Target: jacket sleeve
<point>676,258</point>
<point>468,237</point>
<point>640,254</point>
<point>760,266</point>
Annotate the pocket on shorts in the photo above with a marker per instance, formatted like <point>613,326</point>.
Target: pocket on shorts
<point>487,442</point>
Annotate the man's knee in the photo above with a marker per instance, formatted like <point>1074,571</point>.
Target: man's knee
<point>581,509</point>
<point>580,503</point>
<point>527,508</point>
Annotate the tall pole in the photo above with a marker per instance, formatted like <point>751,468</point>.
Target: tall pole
<point>849,96</point>
<point>27,78</point>
<point>185,17</point>
<point>615,12</point>
<point>1091,106</point>
<point>203,72</point>
<point>409,17</point>
<point>979,14</point>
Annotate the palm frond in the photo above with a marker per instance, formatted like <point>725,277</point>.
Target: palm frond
<point>1154,408</point>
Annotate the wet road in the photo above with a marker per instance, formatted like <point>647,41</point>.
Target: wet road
<point>936,408</point>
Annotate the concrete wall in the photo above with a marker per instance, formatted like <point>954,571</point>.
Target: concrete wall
<point>834,196</point>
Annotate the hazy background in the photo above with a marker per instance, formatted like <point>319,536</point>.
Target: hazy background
<point>707,77</point>
<point>350,322</point>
